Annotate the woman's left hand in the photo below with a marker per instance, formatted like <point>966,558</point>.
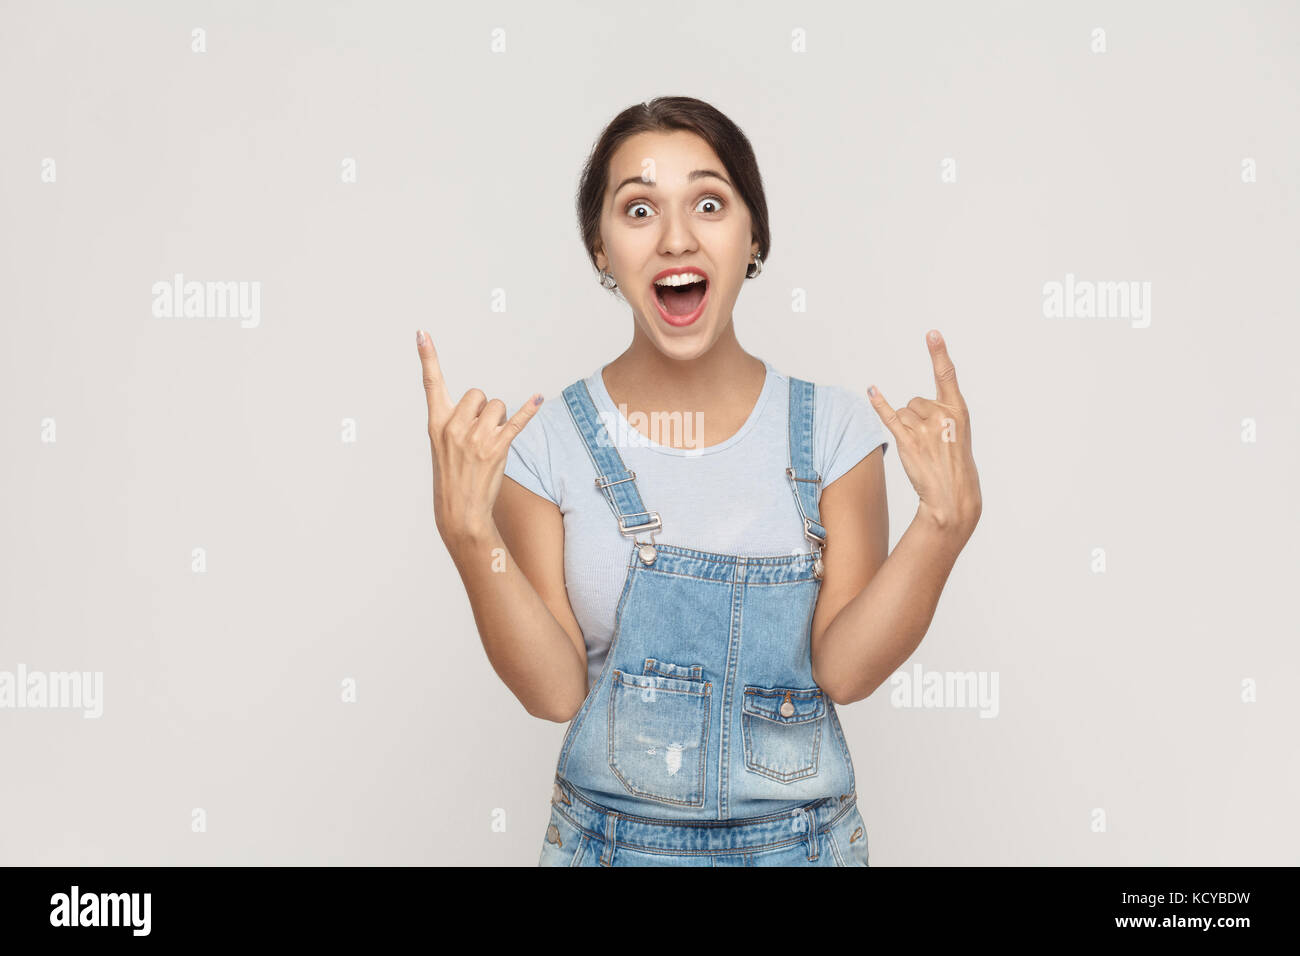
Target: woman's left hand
<point>933,440</point>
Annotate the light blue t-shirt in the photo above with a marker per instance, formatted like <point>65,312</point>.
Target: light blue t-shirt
<point>729,498</point>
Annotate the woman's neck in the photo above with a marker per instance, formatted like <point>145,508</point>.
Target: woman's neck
<point>721,386</point>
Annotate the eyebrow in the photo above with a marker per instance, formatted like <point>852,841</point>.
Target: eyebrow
<point>695,174</point>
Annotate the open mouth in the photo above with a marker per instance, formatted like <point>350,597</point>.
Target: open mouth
<point>681,297</point>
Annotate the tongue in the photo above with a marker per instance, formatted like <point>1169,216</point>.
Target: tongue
<point>681,300</point>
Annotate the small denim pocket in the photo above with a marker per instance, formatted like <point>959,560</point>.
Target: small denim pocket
<point>782,727</point>
<point>659,733</point>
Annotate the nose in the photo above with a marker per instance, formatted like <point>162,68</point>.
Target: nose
<point>678,234</point>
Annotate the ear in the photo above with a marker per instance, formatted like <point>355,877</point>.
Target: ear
<point>601,262</point>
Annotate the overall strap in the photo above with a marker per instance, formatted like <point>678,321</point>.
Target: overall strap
<point>612,477</point>
<point>803,479</point>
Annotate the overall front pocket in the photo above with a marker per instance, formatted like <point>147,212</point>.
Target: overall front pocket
<point>659,734</point>
<point>782,727</point>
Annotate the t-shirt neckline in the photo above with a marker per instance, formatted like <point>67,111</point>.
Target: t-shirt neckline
<point>627,435</point>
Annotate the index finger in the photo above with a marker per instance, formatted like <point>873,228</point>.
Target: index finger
<point>945,374</point>
<point>435,387</point>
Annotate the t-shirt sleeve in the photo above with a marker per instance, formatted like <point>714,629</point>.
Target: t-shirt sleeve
<point>848,429</point>
<point>529,460</point>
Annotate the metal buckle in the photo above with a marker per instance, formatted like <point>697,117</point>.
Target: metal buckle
<point>819,545</point>
<point>645,549</point>
<point>631,476</point>
<point>790,473</point>
<point>810,533</point>
<point>654,525</point>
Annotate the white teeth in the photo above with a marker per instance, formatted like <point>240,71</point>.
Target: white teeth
<point>682,278</point>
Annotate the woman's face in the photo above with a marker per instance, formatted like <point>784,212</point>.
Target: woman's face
<point>669,205</point>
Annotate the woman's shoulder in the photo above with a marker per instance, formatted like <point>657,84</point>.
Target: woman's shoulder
<point>830,401</point>
<point>552,424</point>
<point>846,428</point>
<point>544,426</point>
<point>842,399</point>
<point>536,454</point>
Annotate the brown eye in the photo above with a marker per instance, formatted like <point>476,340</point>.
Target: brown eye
<point>633,206</point>
<point>712,199</point>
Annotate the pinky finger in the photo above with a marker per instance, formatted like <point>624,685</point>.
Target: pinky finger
<point>888,416</point>
<point>511,429</point>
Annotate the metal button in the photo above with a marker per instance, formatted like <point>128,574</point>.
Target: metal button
<point>648,553</point>
<point>553,835</point>
<point>787,708</point>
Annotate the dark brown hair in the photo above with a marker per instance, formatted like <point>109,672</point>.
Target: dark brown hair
<point>668,113</point>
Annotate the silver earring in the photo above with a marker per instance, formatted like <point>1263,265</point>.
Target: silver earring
<point>758,267</point>
<point>607,280</point>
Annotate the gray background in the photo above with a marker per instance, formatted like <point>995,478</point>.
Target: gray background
<point>1119,691</point>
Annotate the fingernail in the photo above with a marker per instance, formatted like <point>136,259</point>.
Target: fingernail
<point>871,390</point>
<point>537,400</point>
<point>419,337</point>
<point>934,336</point>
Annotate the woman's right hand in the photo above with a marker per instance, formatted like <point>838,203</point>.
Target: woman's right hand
<point>470,441</point>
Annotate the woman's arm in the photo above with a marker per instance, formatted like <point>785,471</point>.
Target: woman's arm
<point>878,609</point>
<point>528,630</point>
<point>513,572</point>
<point>873,610</point>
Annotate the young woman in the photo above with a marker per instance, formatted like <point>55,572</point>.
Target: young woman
<point>696,601</point>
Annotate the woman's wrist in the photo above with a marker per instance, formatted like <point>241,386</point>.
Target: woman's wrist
<point>948,532</point>
<point>470,535</point>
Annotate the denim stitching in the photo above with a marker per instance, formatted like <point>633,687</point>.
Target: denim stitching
<point>835,849</point>
<point>803,773</point>
<point>749,731</point>
<point>762,560</point>
<point>631,680</point>
<point>575,725</point>
<point>849,801</point>
<point>652,665</point>
<point>844,744</point>
<point>724,581</point>
<point>590,837</point>
<point>582,845</point>
<point>706,695</point>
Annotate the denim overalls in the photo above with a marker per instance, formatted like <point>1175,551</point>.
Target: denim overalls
<point>705,740</point>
